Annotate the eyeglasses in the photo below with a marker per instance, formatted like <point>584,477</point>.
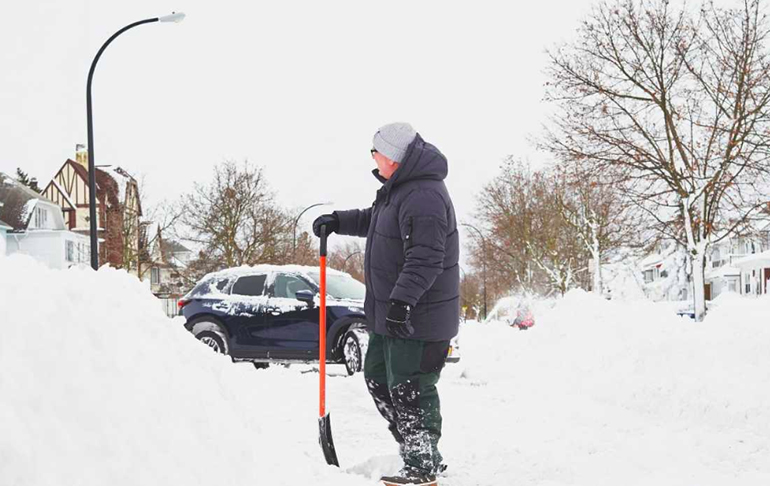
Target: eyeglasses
<point>373,151</point>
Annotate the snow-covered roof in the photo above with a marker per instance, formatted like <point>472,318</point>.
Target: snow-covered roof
<point>173,246</point>
<point>652,260</point>
<point>754,261</point>
<point>249,270</point>
<point>18,202</point>
<point>722,272</point>
<point>121,177</point>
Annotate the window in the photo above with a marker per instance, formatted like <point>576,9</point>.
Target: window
<point>84,253</point>
<point>41,218</point>
<point>341,287</point>
<point>648,276</point>
<point>287,286</point>
<point>155,276</point>
<point>69,251</point>
<point>252,285</point>
<point>663,273</point>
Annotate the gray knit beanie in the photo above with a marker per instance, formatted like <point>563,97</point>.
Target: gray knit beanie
<point>393,139</point>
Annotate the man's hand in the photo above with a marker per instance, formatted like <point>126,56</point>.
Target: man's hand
<point>331,221</point>
<point>398,320</point>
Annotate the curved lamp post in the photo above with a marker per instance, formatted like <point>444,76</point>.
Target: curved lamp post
<point>483,261</point>
<point>174,17</point>
<point>344,264</point>
<point>296,221</point>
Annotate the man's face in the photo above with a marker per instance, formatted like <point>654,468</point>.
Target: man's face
<point>385,166</point>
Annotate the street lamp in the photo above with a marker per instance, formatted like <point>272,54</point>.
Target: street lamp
<point>296,221</point>
<point>175,17</point>
<point>348,258</point>
<point>483,262</point>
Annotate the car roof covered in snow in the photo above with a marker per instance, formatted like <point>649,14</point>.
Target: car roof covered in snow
<point>251,270</point>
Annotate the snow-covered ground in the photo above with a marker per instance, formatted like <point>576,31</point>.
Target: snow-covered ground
<point>98,387</point>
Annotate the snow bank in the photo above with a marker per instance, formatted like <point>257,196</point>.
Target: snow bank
<point>98,387</point>
<point>618,392</point>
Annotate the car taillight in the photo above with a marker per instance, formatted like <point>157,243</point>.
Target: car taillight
<point>181,303</point>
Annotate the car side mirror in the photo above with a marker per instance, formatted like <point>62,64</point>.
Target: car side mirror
<point>306,296</point>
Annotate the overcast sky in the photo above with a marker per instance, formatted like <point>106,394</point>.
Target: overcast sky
<point>298,87</point>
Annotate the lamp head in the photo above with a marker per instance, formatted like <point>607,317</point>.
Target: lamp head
<point>174,17</point>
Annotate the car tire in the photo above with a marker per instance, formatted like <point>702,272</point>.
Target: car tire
<point>214,340</point>
<point>211,333</point>
<point>354,346</point>
<point>260,365</point>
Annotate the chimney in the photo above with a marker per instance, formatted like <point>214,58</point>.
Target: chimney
<point>81,155</point>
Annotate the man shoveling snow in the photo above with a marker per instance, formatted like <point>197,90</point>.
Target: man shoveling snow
<point>412,292</point>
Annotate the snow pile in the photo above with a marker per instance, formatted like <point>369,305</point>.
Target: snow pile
<point>611,392</point>
<point>98,387</point>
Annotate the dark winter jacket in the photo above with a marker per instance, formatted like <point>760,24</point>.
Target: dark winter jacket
<point>412,245</point>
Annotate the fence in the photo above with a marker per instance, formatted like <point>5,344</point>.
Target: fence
<point>170,306</point>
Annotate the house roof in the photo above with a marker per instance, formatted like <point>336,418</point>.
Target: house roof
<point>757,260</point>
<point>18,202</point>
<point>722,272</point>
<point>173,246</point>
<point>111,181</point>
<point>651,261</point>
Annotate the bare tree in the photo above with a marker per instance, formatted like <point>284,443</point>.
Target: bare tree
<point>349,258</point>
<point>677,106</point>
<point>471,295</point>
<point>602,218</point>
<point>529,246</point>
<point>236,219</point>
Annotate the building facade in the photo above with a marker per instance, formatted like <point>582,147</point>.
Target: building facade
<point>34,226</point>
<point>118,208</point>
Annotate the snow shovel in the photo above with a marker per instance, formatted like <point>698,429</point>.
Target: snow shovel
<point>324,421</point>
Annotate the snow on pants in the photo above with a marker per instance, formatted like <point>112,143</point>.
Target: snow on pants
<point>401,375</point>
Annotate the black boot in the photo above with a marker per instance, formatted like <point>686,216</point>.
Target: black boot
<point>411,477</point>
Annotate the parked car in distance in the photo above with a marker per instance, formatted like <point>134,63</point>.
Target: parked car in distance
<point>269,313</point>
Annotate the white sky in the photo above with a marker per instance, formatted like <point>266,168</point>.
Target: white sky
<point>298,87</point>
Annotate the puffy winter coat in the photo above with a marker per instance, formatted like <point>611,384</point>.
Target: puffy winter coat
<point>412,245</point>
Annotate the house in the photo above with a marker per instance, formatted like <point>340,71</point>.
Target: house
<point>755,265</point>
<point>169,260</point>
<point>665,275</point>
<point>34,225</point>
<point>118,208</point>
<point>739,264</point>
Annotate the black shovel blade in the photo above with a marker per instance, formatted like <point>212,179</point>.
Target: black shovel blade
<point>325,438</point>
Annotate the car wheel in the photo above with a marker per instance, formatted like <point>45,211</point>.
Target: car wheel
<point>354,350</point>
<point>261,366</point>
<point>211,334</point>
<point>214,340</point>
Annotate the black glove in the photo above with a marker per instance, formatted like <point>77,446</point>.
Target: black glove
<point>398,320</point>
<point>331,221</point>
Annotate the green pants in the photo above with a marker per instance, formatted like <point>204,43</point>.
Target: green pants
<point>401,375</point>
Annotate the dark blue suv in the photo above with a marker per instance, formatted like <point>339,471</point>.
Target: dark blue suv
<point>271,314</point>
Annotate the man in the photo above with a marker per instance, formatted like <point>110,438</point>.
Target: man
<point>412,292</point>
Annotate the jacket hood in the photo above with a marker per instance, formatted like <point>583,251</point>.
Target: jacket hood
<point>422,161</point>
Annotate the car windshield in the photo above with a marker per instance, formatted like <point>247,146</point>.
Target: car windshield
<point>341,286</point>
